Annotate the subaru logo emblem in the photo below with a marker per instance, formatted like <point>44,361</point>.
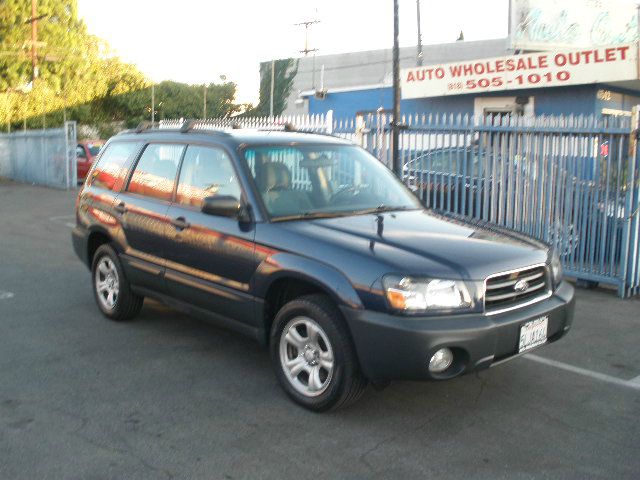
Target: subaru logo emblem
<point>521,286</point>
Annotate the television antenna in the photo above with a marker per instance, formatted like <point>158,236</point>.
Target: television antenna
<point>308,50</point>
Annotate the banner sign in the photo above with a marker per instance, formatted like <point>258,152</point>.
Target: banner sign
<point>545,24</point>
<point>534,70</point>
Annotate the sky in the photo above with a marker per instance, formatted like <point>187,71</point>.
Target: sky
<point>199,41</point>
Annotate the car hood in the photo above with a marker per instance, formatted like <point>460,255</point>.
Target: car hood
<point>417,242</point>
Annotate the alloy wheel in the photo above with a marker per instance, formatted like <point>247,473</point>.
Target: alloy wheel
<point>107,283</point>
<point>306,356</point>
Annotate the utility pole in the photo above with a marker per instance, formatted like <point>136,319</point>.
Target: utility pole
<point>34,40</point>
<point>273,80</point>
<point>637,33</point>
<point>308,50</point>
<point>64,97</point>
<point>204,105</point>
<point>420,54</point>
<point>395,125</point>
<point>153,104</point>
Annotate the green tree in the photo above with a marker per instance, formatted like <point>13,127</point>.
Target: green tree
<point>284,74</point>
<point>75,68</point>
<point>63,44</point>
<point>118,101</point>
<point>180,100</point>
<point>79,79</point>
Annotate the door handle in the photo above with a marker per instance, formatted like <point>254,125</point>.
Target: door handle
<point>180,223</point>
<point>120,208</point>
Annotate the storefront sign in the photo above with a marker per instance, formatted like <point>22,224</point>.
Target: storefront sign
<point>547,24</point>
<point>535,70</point>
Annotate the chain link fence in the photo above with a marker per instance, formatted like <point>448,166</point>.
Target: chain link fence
<point>41,157</point>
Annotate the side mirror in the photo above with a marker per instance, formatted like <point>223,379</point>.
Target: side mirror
<point>222,206</point>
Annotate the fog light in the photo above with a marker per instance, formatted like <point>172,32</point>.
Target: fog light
<point>441,360</point>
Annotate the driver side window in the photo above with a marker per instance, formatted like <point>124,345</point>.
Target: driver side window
<point>206,172</point>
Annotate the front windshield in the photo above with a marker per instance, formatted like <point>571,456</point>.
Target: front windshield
<point>307,181</point>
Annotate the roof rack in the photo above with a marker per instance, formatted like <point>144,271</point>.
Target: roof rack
<point>144,125</point>
<point>187,125</point>
<point>289,127</point>
<point>192,124</point>
<point>141,127</point>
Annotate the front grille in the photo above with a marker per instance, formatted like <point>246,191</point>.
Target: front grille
<point>511,289</point>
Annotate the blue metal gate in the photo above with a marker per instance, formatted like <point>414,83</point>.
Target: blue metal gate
<point>569,181</point>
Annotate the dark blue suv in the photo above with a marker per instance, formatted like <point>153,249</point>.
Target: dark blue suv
<point>311,246</point>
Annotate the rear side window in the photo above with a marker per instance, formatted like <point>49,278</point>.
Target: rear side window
<point>155,174</point>
<point>206,172</point>
<point>111,170</point>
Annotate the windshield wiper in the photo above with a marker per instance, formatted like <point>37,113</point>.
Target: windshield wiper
<point>383,208</point>
<point>345,213</point>
<point>311,215</point>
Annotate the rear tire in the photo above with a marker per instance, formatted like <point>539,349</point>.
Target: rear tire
<point>111,288</point>
<point>313,355</point>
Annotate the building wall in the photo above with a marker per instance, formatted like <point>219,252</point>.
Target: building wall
<point>347,104</point>
<point>617,98</point>
<point>374,67</point>
<point>361,81</point>
<point>576,100</point>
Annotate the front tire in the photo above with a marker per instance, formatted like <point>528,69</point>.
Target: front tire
<point>313,356</point>
<point>111,288</point>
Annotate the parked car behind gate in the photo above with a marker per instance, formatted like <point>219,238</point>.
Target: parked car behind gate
<point>86,153</point>
<point>311,246</point>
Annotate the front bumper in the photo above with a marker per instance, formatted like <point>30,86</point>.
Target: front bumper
<point>392,347</point>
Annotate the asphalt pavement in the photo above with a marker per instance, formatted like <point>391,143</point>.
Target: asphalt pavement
<point>167,396</point>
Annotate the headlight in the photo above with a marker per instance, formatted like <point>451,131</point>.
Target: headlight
<point>415,294</point>
<point>556,269</point>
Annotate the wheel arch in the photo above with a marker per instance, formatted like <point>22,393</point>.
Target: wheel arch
<point>296,277</point>
<point>95,239</point>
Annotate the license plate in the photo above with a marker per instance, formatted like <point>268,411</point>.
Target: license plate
<point>533,333</point>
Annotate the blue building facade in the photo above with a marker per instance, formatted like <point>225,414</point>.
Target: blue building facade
<point>594,99</point>
<point>354,82</point>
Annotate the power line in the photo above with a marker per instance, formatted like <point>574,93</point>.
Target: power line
<point>360,64</point>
